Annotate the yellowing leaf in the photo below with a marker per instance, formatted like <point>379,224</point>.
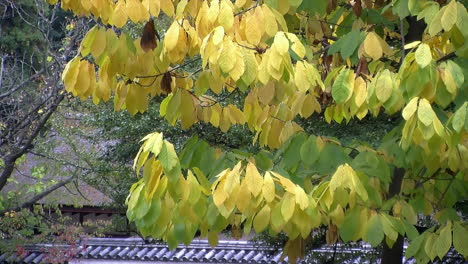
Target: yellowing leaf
<point>460,242</point>
<point>444,241</point>
<point>99,43</point>
<point>425,112</point>
<point>423,55</point>
<point>410,108</point>
<point>384,86</point>
<point>372,46</point>
<point>268,188</point>
<point>343,86</point>
<point>296,46</point>
<point>262,219</point>
<point>449,18</point>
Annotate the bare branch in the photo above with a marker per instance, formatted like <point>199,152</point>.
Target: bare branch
<point>39,196</point>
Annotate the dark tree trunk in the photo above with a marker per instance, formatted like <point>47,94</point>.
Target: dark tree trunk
<point>394,255</point>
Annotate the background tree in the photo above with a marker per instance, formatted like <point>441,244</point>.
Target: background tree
<point>287,60</point>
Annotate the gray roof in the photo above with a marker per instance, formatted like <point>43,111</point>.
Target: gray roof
<point>135,249</point>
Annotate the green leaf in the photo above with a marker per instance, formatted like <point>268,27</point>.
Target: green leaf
<point>330,158</point>
<point>374,232</point>
<point>459,117</point>
<point>351,42</point>
<point>429,246</point>
<point>423,55</point>
<point>388,227</point>
<point>459,239</point>
<point>312,7</point>
<point>350,226</point>
<point>309,151</point>
<point>202,83</point>
<point>87,42</point>
<point>290,158</point>
<point>262,219</point>
<point>342,89</point>
<point>444,242</point>
<point>272,3</point>
<point>414,246</point>
<point>168,156</point>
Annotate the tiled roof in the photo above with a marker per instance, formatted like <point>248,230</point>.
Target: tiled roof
<point>133,250</point>
<point>122,249</point>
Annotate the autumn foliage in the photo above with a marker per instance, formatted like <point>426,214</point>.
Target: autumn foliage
<point>290,60</point>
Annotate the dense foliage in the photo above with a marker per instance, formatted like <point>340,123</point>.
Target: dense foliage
<point>285,61</point>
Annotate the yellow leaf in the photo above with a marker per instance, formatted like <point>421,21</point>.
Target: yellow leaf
<point>99,43</point>
<point>300,77</point>
<point>288,204</point>
<point>119,16</point>
<point>70,74</point>
<point>372,46</point>
<point>250,63</point>
<point>152,6</point>
<point>310,105</point>
<point>213,12</point>
<point>232,179</point>
<point>271,27</point>
<point>218,35</point>
<point>133,10</point>
<point>301,198</point>
<point>253,179</point>
<point>281,43</point>
<point>167,7</point>
<point>181,8</point>
<point>268,188</point>
<point>172,36</point>
<point>155,172</point>
<point>227,57</point>
<point>83,81</point>
<point>219,195</point>
<point>239,67</point>
<point>226,15</point>
<point>252,34</point>
<point>360,91</point>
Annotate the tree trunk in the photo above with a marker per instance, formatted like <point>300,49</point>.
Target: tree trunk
<point>394,255</point>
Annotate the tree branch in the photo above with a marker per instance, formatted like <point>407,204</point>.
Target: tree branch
<point>39,196</point>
